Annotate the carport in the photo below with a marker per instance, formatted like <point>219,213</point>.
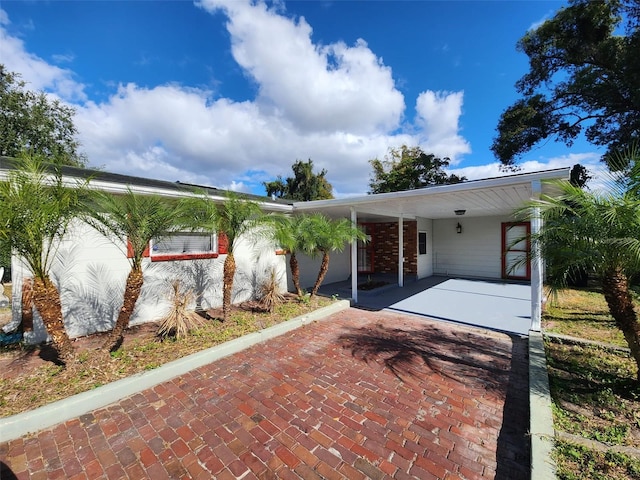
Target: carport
<point>461,231</point>
<point>490,304</point>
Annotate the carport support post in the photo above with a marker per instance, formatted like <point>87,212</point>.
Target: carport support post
<point>536,263</point>
<point>400,252</point>
<point>354,259</point>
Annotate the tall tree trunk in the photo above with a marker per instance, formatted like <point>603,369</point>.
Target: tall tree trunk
<point>324,267</point>
<point>46,299</point>
<point>295,273</point>
<point>131,293</point>
<point>615,286</point>
<point>227,287</point>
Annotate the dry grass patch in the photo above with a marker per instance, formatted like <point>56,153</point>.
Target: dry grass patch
<point>31,379</point>
<point>582,314</point>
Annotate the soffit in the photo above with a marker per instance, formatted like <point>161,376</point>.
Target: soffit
<point>478,199</point>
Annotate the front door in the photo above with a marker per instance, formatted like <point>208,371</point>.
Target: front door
<point>365,250</point>
<point>516,246</point>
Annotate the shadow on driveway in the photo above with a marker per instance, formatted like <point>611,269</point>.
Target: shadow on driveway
<point>484,366</point>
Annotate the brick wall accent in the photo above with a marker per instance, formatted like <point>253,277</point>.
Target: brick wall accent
<point>385,240</point>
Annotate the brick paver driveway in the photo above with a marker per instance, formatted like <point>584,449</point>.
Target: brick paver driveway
<point>358,395</point>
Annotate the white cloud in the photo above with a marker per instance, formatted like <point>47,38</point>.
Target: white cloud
<point>438,114</point>
<point>335,104</point>
<point>538,23</point>
<point>327,88</point>
<point>590,160</point>
<point>37,72</point>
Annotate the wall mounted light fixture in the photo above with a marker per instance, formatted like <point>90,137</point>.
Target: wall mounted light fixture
<point>458,228</point>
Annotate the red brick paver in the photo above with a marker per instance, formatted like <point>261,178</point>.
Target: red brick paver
<point>360,395</point>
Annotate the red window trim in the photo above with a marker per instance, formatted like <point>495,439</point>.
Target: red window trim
<point>182,256</point>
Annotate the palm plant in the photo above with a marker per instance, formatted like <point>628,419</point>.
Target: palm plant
<point>234,218</point>
<point>294,235</point>
<point>329,236</point>
<point>598,232</point>
<point>135,219</point>
<point>36,209</point>
<point>180,318</point>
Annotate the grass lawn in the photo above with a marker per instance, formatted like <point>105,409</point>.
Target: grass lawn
<point>594,392</point>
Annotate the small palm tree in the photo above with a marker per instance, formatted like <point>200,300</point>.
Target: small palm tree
<point>135,219</point>
<point>36,209</point>
<point>329,236</point>
<point>598,232</point>
<point>234,218</point>
<point>294,235</point>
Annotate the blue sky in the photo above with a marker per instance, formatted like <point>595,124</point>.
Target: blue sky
<point>232,93</point>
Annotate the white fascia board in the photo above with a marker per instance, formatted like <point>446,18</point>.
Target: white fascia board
<point>111,187</point>
<point>519,179</point>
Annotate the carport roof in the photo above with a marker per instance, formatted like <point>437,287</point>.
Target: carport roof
<point>487,197</point>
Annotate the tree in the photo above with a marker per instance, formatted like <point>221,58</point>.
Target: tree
<point>295,235</point>
<point>135,219</point>
<point>32,121</point>
<point>305,185</point>
<point>235,218</point>
<point>329,236</point>
<point>36,209</point>
<point>584,76</point>
<point>600,233</point>
<point>409,168</point>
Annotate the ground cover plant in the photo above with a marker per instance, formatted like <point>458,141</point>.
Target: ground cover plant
<point>594,390</point>
<point>30,377</point>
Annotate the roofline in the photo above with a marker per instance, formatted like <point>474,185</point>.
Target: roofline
<point>119,183</point>
<point>516,179</point>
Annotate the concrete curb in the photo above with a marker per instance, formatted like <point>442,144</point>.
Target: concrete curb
<point>543,466</point>
<point>54,413</point>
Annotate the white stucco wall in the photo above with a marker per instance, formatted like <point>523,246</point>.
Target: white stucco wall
<point>339,269</point>
<point>90,272</point>
<point>425,262</point>
<point>476,252</point>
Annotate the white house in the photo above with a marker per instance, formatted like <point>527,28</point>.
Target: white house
<point>462,230</point>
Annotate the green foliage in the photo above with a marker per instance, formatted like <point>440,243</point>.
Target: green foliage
<point>305,185</point>
<point>36,209</point>
<point>330,235</point>
<point>33,121</point>
<point>135,217</point>
<point>584,77</point>
<point>295,233</point>
<point>409,168</point>
<point>5,259</point>
<point>576,462</point>
<point>237,217</point>
<point>596,232</point>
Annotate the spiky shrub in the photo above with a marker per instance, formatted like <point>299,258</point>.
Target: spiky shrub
<point>270,293</point>
<point>180,319</point>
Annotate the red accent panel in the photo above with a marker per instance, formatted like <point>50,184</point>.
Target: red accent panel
<point>130,250</point>
<point>182,256</point>
<point>223,243</point>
